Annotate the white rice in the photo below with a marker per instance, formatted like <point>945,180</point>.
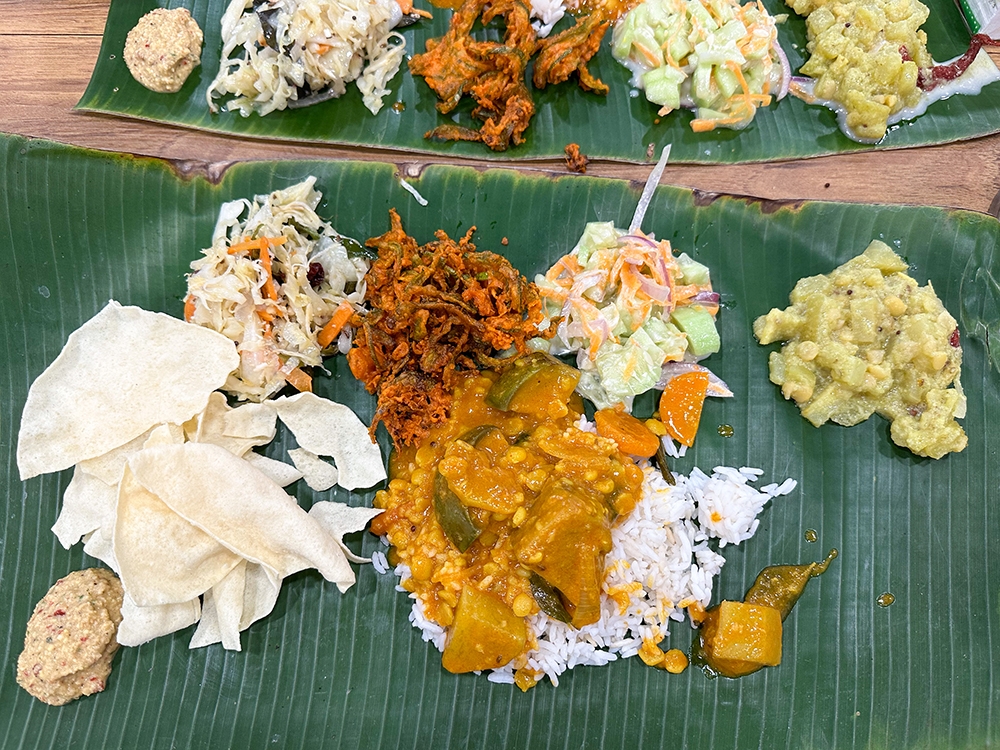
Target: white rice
<point>672,449</point>
<point>663,546</point>
<point>380,562</point>
<point>547,13</point>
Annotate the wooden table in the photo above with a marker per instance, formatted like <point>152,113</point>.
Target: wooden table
<point>48,50</point>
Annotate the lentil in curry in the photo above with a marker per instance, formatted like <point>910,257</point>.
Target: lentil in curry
<point>535,496</point>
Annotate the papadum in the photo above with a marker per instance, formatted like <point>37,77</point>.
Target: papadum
<point>119,374</point>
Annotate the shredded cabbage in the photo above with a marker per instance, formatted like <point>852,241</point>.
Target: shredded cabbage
<point>305,50</point>
<point>311,273</point>
<point>546,14</point>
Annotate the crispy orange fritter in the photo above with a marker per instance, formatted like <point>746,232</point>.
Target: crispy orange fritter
<point>453,62</point>
<point>494,73</point>
<point>434,309</point>
<point>575,160</point>
<point>569,52</point>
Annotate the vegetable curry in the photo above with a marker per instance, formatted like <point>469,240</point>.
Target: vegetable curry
<point>739,638</point>
<point>504,510</point>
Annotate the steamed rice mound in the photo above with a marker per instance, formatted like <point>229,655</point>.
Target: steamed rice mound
<point>660,565</point>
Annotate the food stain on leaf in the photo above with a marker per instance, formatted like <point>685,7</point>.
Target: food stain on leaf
<point>885,600</point>
<point>189,169</point>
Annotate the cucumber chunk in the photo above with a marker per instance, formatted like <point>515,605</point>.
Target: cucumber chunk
<point>699,326</point>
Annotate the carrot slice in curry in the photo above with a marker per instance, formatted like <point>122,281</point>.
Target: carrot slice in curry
<point>681,404</point>
<point>633,437</point>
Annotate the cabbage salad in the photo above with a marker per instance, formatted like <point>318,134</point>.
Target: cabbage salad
<point>714,56</point>
<point>292,53</point>
<point>280,282</point>
<point>633,312</point>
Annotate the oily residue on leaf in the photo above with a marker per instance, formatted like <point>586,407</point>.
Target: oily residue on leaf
<point>188,169</point>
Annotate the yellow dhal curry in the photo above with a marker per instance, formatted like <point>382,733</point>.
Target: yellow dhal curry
<point>506,509</point>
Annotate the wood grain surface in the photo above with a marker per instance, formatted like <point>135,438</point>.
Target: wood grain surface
<point>48,50</point>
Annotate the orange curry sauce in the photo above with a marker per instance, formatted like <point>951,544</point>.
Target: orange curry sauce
<point>542,492</point>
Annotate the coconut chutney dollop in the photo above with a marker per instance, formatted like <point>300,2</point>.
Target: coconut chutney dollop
<point>163,49</point>
<point>71,637</point>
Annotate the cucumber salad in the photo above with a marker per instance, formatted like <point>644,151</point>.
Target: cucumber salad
<point>632,312</point>
<point>714,56</point>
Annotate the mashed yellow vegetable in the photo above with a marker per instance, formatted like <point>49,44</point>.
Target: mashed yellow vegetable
<point>867,338</point>
<point>865,56</point>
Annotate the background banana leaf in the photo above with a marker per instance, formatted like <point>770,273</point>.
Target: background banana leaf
<point>619,126</point>
<point>348,671</point>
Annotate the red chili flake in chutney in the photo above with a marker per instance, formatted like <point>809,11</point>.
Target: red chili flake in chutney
<point>953,339</point>
<point>58,613</point>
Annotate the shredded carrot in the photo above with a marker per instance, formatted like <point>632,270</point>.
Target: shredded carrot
<point>665,48</point>
<point>247,244</point>
<point>749,98</point>
<point>188,308</point>
<point>703,126</point>
<point>567,263</point>
<point>266,315</point>
<point>332,329</point>
<point>651,57</point>
<point>300,380</point>
<point>268,289</point>
<point>243,246</point>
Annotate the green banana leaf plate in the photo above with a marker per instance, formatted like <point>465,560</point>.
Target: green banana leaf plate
<point>331,670</point>
<point>620,126</point>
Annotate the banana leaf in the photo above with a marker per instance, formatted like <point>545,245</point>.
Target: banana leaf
<point>620,126</point>
<point>332,670</point>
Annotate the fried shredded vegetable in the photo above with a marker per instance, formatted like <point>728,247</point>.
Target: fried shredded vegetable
<point>434,309</point>
<point>494,72</point>
<point>569,52</point>
<point>280,282</point>
<point>576,161</point>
